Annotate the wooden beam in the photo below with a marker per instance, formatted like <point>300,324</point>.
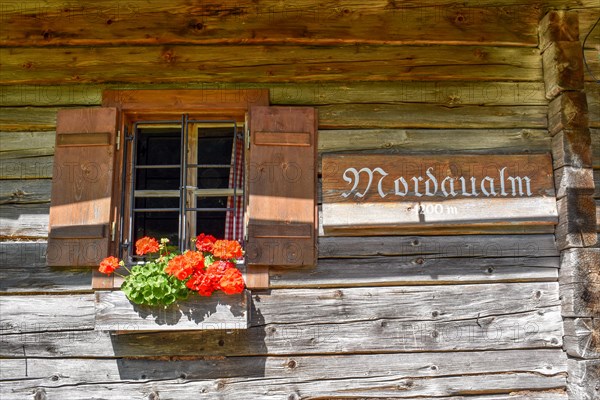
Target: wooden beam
<point>559,26</point>
<point>238,63</point>
<point>568,179</point>
<point>24,220</point>
<point>576,221</point>
<point>568,111</point>
<point>16,191</point>
<point>584,376</point>
<point>580,282</point>
<point>450,93</point>
<point>572,148</point>
<point>563,67</point>
<point>270,22</point>
<point>515,375</point>
<point>582,337</point>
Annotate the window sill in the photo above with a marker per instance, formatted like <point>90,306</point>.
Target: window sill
<point>114,312</point>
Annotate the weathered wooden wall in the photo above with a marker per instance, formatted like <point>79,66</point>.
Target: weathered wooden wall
<point>441,316</point>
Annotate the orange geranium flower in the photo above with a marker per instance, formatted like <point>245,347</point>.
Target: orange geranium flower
<point>146,245</point>
<point>232,281</point>
<point>201,283</point>
<point>194,259</point>
<point>227,249</point>
<point>205,242</point>
<point>108,265</point>
<point>179,267</point>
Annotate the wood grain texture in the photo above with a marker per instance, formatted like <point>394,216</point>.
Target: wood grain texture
<point>114,312</point>
<point>583,379</point>
<point>572,148</point>
<point>431,116</point>
<point>16,191</point>
<point>413,375</point>
<point>435,140</point>
<point>576,221</point>
<point>27,119</point>
<point>568,111</point>
<point>563,67</point>
<point>569,179</point>
<point>27,168</point>
<point>268,64</point>
<point>580,282</point>
<point>24,220</point>
<point>582,337</point>
<point>308,22</point>
<point>393,92</point>
<point>558,26</point>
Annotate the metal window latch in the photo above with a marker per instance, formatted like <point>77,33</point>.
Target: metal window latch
<point>113,231</point>
<point>118,143</point>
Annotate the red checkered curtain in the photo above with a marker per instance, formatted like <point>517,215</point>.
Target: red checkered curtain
<point>234,221</point>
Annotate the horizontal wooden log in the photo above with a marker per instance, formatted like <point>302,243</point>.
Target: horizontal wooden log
<point>541,328</point>
<point>25,191</point>
<point>427,373</point>
<point>416,270</point>
<point>558,26</point>
<point>41,313</point>
<point>584,376</point>
<point>394,385</point>
<point>114,312</point>
<point>580,180</point>
<point>439,304</point>
<point>352,116</point>
<point>580,282</point>
<point>582,337</point>
<point>440,92</point>
<point>27,168</point>
<point>576,221</point>
<point>563,67</point>
<point>27,119</point>
<point>309,22</point>
<point>24,220</point>
<point>236,63</point>
<point>26,144</point>
<point>568,111</point>
<point>436,140</point>
<point>23,269</point>
<point>572,148</point>
<point>493,246</point>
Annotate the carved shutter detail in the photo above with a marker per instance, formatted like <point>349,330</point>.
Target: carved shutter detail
<point>82,184</point>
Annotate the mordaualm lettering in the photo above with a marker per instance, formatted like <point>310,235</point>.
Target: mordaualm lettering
<point>503,185</point>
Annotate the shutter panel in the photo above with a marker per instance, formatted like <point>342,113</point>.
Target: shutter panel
<point>82,184</point>
<point>282,207</point>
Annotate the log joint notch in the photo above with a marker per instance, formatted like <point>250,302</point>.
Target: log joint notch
<point>576,232</point>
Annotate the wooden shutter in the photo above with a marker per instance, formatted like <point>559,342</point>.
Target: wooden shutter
<point>281,178</point>
<point>82,183</point>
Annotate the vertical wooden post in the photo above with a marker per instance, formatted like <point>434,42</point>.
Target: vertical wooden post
<point>576,235</point>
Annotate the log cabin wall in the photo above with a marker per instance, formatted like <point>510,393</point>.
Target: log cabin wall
<point>465,316</point>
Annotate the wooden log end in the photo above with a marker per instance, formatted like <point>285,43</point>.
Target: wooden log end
<point>563,68</point>
<point>558,26</point>
<point>569,110</point>
<point>572,148</point>
<point>576,221</point>
<point>569,178</point>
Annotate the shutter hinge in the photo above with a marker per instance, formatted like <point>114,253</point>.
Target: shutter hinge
<point>118,144</point>
<point>247,137</point>
<point>113,231</point>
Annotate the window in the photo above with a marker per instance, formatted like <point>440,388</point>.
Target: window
<point>120,174</point>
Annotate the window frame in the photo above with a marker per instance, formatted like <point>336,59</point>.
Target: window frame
<point>141,105</point>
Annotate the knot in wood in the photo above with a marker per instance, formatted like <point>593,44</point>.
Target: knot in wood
<point>153,396</point>
<point>420,260</point>
<point>338,294</point>
<point>40,394</point>
<point>292,364</point>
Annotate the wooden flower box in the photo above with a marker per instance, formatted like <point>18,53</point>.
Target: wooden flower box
<point>114,312</point>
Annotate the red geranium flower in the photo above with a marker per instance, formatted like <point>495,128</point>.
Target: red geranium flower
<point>205,242</point>
<point>201,283</point>
<point>232,281</point>
<point>179,267</point>
<point>146,245</point>
<point>227,249</point>
<point>108,265</point>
